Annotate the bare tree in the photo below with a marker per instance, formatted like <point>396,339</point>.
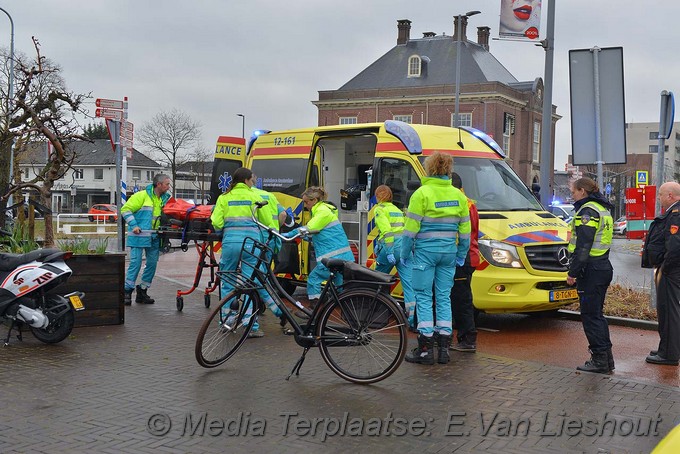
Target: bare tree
<point>42,109</point>
<point>169,135</point>
<point>201,169</point>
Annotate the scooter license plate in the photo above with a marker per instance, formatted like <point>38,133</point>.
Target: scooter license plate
<point>76,302</point>
<point>561,295</point>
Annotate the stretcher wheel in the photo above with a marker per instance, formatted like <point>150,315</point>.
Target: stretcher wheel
<point>206,300</point>
<point>180,303</point>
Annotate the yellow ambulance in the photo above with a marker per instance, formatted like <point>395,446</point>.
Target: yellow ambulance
<point>523,246</point>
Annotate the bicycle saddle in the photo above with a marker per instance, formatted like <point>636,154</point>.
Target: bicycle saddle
<point>357,271</point>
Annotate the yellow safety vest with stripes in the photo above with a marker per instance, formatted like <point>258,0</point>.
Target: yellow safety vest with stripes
<point>604,225</point>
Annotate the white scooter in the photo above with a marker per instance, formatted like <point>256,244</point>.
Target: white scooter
<point>25,280</point>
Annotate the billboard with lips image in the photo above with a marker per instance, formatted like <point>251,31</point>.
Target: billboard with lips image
<point>520,19</point>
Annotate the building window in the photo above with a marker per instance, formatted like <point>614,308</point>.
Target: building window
<point>655,148</point>
<point>464,119</point>
<point>654,135</point>
<point>508,131</point>
<point>348,120</point>
<point>414,63</point>
<point>537,141</point>
<point>136,174</point>
<point>98,174</point>
<point>149,175</point>
<point>404,118</point>
<point>77,174</point>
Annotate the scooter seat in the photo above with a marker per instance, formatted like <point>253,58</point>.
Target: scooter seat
<point>9,261</point>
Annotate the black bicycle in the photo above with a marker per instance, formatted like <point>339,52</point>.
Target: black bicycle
<point>360,331</point>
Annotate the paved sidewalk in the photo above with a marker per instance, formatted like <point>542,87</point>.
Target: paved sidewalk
<point>137,388</point>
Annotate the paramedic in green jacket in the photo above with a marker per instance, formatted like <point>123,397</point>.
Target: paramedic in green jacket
<point>330,241</point>
<point>232,216</point>
<point>387,247</point>
<point>142,213</point>
<point>437,231</point>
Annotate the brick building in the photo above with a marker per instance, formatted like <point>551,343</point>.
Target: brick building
<point>415,82</point>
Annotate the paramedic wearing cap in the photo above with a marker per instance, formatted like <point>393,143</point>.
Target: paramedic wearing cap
<point>592,230</point>
<point>438,232</point>
<point>142,213</point>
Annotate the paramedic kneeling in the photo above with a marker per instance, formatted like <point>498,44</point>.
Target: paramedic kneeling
<point>142,213</point>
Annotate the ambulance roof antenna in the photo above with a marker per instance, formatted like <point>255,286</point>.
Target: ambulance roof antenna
<point>460,140</point>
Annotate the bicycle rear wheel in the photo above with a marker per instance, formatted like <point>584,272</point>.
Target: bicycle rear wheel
<point>362,337</point>
<point>227,327</point>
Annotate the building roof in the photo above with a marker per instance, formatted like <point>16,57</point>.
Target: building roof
<point>97,153</point>
<point>439,68</point>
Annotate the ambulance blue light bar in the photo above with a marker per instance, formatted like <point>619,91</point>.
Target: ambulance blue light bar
<point>406,134</point>
<point>257,133</point>
<point>484,137</point>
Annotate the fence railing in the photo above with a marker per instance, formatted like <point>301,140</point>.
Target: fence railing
<point>100,225</point>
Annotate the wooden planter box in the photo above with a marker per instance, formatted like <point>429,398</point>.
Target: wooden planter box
<point>102,278</point>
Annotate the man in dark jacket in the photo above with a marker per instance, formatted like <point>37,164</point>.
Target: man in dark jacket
<point>662,251</point>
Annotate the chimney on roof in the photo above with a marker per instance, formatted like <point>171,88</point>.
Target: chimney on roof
<point>429,34</point>
<point>483,36</point>
<point>404,29</point>
<point>463,31</point>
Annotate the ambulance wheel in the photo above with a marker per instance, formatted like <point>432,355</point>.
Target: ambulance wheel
<point>206,300</point>
<point>180,303</point>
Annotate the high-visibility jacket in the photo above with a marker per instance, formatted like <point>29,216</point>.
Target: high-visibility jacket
<point>592,230</point>
<point>233,214</point>
<point>331,241</point>
<point>390,222</point>
<point>143,209</point>
<point>438,214</point>
<point>272,209</point>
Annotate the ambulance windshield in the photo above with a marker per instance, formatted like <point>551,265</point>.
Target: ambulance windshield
<point>494,186</point>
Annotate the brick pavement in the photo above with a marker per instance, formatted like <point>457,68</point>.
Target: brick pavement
<point>107,388</point>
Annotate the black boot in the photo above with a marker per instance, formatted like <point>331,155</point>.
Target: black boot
<point>610,359</point>
<point>127,300</point>
<point>598,363</point>
<point>142,297</point>
<point>423,353</point>
<point>443,352</point>
<point>466,343</point>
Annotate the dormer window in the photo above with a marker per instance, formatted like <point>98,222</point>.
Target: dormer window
<point>414,66</point>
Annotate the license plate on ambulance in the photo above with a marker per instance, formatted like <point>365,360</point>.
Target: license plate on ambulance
<point>561,295</point>
<point>76,302</point>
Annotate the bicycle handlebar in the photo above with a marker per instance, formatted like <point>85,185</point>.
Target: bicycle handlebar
<point>302,231</point>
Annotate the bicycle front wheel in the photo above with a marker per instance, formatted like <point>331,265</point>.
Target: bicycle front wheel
<point>227,327</point>
<point>362,337</point>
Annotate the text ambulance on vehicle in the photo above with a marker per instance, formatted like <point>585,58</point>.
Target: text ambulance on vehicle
<point>523,246</point>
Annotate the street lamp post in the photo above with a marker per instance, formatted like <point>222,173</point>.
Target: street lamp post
<point>459,26</point>
<point>243,125</point>
<point>10,97</point>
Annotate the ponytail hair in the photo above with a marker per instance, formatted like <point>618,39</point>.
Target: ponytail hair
<point>240,176</point>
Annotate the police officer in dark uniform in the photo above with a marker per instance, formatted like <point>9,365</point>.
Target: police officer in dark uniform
<point>662,251</point>
<point>592,230</point>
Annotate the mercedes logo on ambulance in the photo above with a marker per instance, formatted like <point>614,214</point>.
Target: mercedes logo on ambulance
<point>563,256</point>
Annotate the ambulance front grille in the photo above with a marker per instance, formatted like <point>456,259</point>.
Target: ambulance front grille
<point>551,257</point>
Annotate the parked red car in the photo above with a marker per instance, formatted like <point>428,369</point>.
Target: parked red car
<point>103,212</point>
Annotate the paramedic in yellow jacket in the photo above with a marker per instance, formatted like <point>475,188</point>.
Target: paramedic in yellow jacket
<point>390,223</point>
<point>233,216</point>
<point>438,232</point>
<point>142,213</point>
<point>330,241</point>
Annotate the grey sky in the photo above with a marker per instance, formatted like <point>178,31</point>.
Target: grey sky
<point>267,59</point>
